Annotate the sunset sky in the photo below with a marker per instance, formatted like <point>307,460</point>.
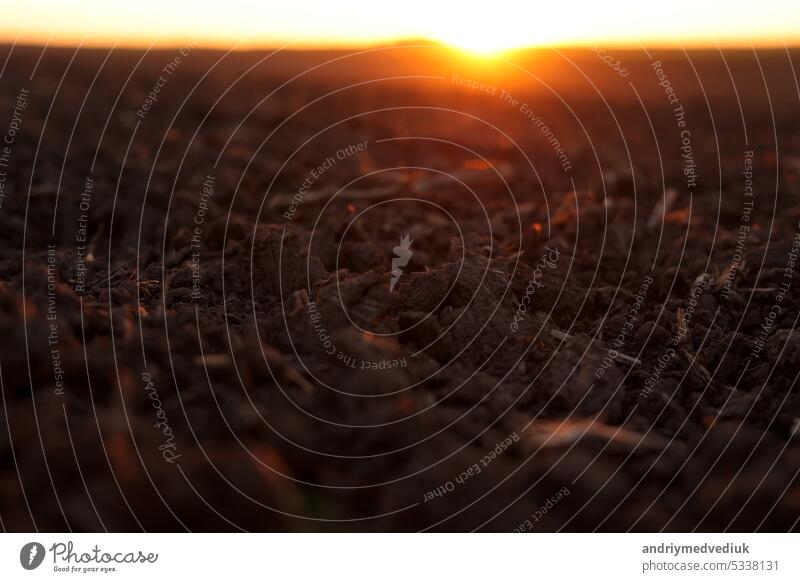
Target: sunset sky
<point>479,26</point>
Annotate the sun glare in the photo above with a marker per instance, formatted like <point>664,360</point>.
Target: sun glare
<point>480,45</point>
<point>477,29</point>
<point>482,33</point>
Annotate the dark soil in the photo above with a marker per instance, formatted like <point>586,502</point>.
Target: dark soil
<point>233,357</point>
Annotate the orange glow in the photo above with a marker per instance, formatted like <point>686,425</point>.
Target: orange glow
<point>478,28</point>
<point>491,32</point>
<point>486,44</point>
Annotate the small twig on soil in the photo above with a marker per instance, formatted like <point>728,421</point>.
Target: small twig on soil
<point>560,335</point>
<point>213,360</point>
<point>285,369</point>
<point>568,432</point>
<point>706,278</point>
<point>630,360</point>
<point>728,274</point>
<point>115,272</point>
<point>661,208</point>
<point>699,369</point>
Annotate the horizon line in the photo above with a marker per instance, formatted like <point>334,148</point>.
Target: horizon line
<point>300,46</point>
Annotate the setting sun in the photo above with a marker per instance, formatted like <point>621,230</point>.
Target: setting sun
<point>474,36</point>
<point>480,45</point>
<point>481,32</point>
